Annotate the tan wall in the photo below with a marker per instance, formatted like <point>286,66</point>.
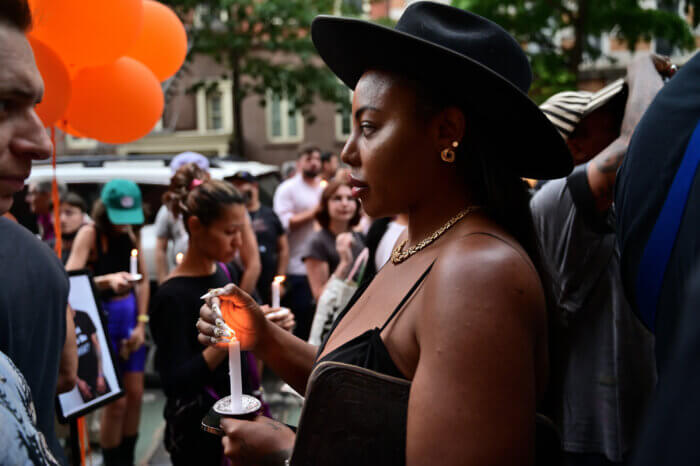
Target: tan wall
<point>321,132</point>
<point>181,114</point>
<point>181,110</point>
<point>379,9</point>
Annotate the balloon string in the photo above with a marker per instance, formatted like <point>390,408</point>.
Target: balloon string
<point>58,246</point>
<point>81,439</point>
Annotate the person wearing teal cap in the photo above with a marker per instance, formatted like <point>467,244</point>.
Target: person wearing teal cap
<point>107,248</point>
<point>122,200</point>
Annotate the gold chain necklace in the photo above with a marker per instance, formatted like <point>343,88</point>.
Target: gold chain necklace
<point>399,255</point>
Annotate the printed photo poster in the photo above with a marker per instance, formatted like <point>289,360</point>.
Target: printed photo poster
<point>97,378</point>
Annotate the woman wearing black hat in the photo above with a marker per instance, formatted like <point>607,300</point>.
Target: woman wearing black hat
<point>443,131</point>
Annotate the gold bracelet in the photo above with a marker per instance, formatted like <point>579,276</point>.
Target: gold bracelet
<point>143,318</point>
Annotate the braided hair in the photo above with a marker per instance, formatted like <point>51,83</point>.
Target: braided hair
<point>193,193</point>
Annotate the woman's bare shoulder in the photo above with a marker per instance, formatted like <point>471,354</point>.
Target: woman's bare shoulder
<point>490,251</point>
<point>86,233</point>
<point>485,271</point>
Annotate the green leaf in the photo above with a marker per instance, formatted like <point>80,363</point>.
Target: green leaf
<point>536,23</point>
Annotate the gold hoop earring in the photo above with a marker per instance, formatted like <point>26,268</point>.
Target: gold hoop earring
<point>448,155</point>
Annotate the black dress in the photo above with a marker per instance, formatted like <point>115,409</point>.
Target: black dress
<point>368,350</point>
<point>190,387</point>
<point>363,443</point>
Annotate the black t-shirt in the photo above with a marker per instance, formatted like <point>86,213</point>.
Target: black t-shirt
<point>179,360</point>
<point>321,246</point>
<point>656,150</point>
<point>268,229</point>
<point>116,258</point>
<point>33,299</point>
<point>87,353</point>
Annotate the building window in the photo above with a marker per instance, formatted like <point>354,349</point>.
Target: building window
<point>283,124</point>
<point>215,115</point>
<point>76,143</point>
<point>343,121</point>
<point>215,107</point>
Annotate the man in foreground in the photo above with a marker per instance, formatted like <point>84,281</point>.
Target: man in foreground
<point>34,285</point>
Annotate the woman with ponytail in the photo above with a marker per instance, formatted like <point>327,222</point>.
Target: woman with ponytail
<point>195,376</point>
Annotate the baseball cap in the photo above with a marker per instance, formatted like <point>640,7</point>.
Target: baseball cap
<point>122,200</point>
<point>189,157</point>
<point>244,176</point>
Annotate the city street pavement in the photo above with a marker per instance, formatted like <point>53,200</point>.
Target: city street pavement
<point>285,406</point>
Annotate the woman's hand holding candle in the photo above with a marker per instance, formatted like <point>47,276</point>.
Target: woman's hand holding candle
<point>118,282</point>
<point>281,316</point>
<point>243,317</point>
<point>259,442</point>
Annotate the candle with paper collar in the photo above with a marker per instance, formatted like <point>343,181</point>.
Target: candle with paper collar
<point>276,283</point>
<point>234,373</point>
<point>133,262</point>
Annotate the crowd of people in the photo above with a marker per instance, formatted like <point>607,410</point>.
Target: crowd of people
<point>545,273</point>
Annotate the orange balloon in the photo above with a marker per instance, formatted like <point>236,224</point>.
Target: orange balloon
<point>63,125</point>
<point>162,44</point>
<point>115,103</point>
<point>37,9</point>
<point>57,84</point>
<point>89,32</point>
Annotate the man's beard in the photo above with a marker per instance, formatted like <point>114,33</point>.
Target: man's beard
<point>310,173</point>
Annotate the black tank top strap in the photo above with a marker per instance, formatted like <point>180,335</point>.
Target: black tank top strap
<point>407,296</point>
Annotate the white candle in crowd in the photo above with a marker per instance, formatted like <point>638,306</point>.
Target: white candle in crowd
<point>178,258</point>
<point>276,290</point>
<point>234,373</point>
<point>133,262</point>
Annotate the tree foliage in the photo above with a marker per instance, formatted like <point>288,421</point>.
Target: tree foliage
<point>265,45</point>
<point>542,23</point>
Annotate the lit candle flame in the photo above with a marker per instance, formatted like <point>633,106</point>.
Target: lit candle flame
<point>134,253</point>
<point>229,338</point>
<point>324,183</point>
<point>280,278</point>
<point>178,258</point>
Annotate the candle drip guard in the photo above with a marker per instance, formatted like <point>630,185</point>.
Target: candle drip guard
<point>222,408</point>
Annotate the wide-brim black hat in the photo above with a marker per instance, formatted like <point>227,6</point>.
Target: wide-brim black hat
<point>461,54</point>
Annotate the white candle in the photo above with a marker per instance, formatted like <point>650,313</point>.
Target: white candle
<point>276,290</point>
<point>234,373</point>
<point>133,262</point>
